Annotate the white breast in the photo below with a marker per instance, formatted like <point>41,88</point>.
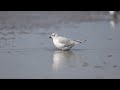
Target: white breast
<point>61,46</point>
<point>57,44</point>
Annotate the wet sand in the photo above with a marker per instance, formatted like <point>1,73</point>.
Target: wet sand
<point>27,52</point>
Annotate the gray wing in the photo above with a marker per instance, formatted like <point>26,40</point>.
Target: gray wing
<point>65,41</point>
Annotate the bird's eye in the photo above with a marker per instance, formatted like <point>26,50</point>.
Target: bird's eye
<point>53,35</point>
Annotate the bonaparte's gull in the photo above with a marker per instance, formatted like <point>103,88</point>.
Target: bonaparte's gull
<point>114,19</point>
<point>112,12</point>
<point>64,43</point>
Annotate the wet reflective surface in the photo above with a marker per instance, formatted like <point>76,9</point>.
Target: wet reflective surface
<point>27,52</point>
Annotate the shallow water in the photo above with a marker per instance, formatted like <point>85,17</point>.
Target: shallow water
<point>27,52</point>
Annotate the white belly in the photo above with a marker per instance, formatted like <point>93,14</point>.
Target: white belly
<point>58,45</point>
<point>61,46</point>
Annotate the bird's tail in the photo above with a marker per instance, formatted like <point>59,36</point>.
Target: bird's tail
<point>79,41</point>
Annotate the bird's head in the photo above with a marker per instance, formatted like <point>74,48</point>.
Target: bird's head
<point>53,35</point>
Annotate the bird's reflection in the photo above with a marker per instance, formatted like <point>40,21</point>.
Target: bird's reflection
<point>61,57</point>
<point>113,22</point>
<point>66,59</point>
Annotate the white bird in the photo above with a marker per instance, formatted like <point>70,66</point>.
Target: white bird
<point>114,19</point>
<point>64,43</point>
<point>112,12</point>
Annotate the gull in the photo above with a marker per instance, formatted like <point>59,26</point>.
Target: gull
<point>114,19</point>
<point>112,12</point>
<point>64,43</point>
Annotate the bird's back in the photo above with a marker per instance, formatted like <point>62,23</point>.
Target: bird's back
<point>66,41</point>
